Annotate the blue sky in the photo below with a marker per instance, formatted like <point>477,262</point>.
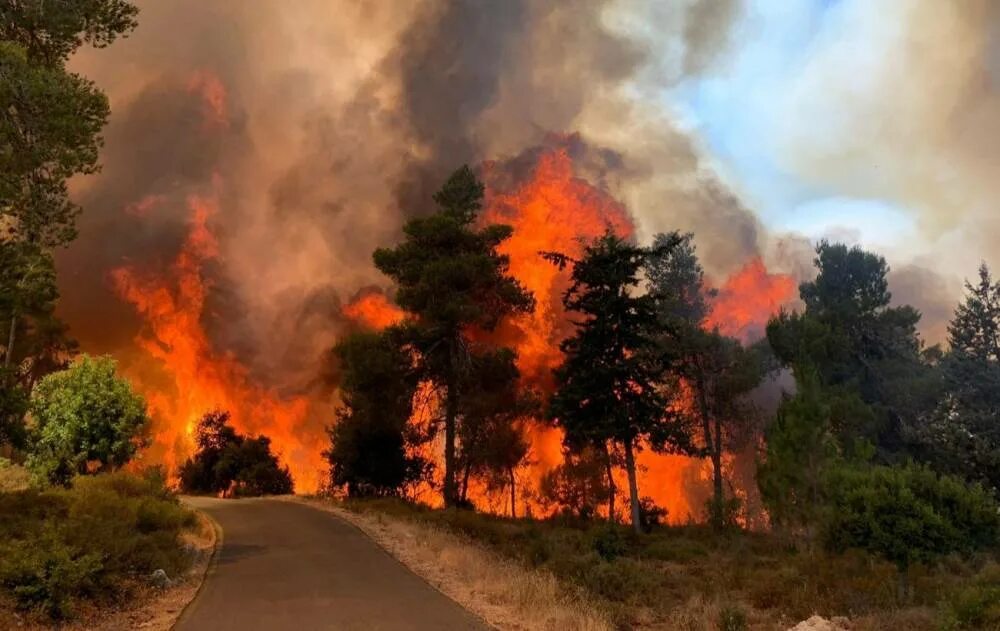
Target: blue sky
<point>736,110</point>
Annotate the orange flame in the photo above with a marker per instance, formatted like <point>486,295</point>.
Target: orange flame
<point>748,299</point>
<point>373,310</point>
<point>199,379</point>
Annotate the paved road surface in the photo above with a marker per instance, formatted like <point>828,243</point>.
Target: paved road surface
<point>289,566</point>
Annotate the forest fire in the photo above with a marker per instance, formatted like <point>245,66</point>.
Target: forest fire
<point>551,209</point>
<point>195,378</point>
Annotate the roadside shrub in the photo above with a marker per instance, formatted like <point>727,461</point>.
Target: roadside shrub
<point>609,542</point>
<point>622,580</point>
<point>45,572</point>
<point>975,606</point>
<point>732,618</point>
<point>907,514</point>
<point>90,541</point>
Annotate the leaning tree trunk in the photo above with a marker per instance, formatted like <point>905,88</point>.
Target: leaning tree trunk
<point>633,487</point>
<point>9,354</point>
<point>612,491</point>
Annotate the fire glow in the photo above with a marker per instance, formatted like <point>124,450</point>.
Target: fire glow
<point>196,378</point>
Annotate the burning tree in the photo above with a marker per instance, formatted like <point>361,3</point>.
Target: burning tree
<point>709,373</point>
<point>451,277</point>
<point>608,386</point>
<point>371,452</point>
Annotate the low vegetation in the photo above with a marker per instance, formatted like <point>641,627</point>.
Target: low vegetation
<point>92,544</point>
<point>696,577</point>
<point>231,464</point>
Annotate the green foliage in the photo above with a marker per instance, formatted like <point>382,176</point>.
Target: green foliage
<point>579,485</point>
<point>84,419</point>
<point>800,446</point>
<point>975,605</point>
<point>853,340</point>
<point>13,406</point>
<point>907,514</point>
<point>451,277</point>
<point>49,132</point>
<point>607,386</point>
<point>89,541</point>
<point>230,463</point>
<point>963,435</point>
<point>371,442</point>
<point>609,542</point>
<point>51,31</point>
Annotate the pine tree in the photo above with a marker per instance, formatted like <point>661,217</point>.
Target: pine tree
<point>964,435</point>
<point>707,371</point>
<point>451,277</point>
<point>607,388</point>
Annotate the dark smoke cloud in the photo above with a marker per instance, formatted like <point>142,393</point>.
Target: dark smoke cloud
<point>339,119</point>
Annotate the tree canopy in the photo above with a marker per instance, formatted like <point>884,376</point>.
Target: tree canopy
<point>84,419</point>
<point>450,275</point>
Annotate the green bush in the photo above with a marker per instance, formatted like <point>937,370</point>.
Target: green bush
<point>609,542</point>
<point>89,541</point>
<point>622,580</point>
<point>907,514</point>
<point>975,606</point>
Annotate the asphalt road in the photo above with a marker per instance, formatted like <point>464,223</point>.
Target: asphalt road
<point>285,565</point>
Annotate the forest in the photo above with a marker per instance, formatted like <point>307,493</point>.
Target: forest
<point>862,438</point>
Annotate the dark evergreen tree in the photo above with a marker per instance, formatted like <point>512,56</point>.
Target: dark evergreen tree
<point>709,374</point>
<point>963,436</point>
<point>451,277</point>
<point>494,411</point>
<point>607,389</point>
<point>231,464</point>
<point>372,445</point>
<point>854,340</point>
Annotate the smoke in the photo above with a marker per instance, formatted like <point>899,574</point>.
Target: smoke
<point>320,126</point>
<point>899,101</point>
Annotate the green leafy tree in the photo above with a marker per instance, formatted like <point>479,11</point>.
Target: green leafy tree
<point>800,447</point>
<point>494,411</point>
<point>853,339</point>
<point>84,419</point>
<point>49,131</point>
<point>451,277</point>
<point>907,514</point>
<point>51,30</point>
<point>714,371</point>
<point>371,444</point>
<point>229,463</point>
<point>607,388</point>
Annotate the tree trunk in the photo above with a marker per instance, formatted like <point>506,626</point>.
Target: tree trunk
<point>465,483</point>
<point>633,487</point>
<point>717,474</point>
<point>611,484</point>
<point>450,416</point>
<point>9,354</point>
<point>513,495</point>
<point>713,444</point>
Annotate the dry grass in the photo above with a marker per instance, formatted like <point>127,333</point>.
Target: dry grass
<point>545,574</point>
<point>503,592</point>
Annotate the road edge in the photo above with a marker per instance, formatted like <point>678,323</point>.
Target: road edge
<point>209,569</point>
